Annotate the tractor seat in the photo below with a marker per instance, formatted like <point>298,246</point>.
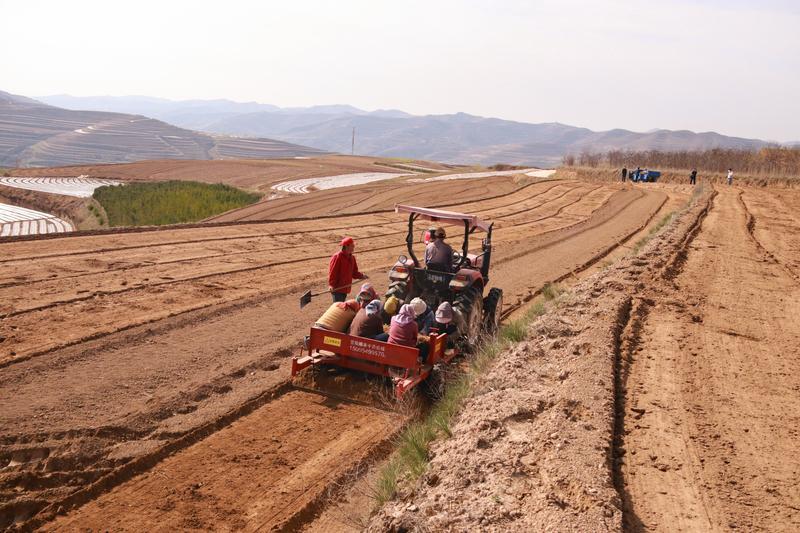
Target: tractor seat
<point>439,267</point>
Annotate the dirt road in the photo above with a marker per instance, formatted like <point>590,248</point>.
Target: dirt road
<point>713,410</point>
<point>156,339</point>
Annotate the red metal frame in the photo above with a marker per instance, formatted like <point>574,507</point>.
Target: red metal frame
<point>400,363</point>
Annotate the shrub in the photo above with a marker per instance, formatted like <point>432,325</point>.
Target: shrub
<point>168,202</point>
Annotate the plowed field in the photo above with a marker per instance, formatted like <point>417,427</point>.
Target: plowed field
<point>713,405</point>
<point>659,395</point>
<point>119,350</point>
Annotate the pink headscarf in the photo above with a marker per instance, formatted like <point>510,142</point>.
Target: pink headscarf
<point>405,315</point>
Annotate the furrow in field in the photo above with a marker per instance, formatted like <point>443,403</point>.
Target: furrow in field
<point>205,285</point>
<point>158,381</point>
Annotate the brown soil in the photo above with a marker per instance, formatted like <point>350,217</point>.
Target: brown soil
<point>156,339</point>
<point>263,472</point>
<point>252,174</point>
<point>659,395</point>
<point>378,196</point>
<point>713,385</point>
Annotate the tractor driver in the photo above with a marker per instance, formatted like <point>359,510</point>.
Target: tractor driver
<point>439,254</point>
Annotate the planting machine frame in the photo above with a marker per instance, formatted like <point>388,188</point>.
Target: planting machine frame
<point>463,286</point>
<point>399,363</point>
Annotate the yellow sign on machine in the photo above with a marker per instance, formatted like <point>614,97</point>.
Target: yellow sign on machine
<point>332,341</point>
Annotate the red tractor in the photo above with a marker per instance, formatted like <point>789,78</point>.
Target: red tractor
<point>462,283</point>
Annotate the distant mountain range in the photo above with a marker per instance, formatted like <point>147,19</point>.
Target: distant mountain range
<point>458,138</point>
<point>34,134</point>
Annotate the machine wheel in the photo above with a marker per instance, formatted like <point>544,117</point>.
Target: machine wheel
<point>470,304</point>
<point>492,309</point>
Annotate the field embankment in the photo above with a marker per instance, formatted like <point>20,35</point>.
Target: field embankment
<point>65,207</point>
<point>533,448</point>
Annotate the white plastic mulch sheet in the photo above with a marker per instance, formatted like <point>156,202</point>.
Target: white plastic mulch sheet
<point>16,221</point>
<point>81,186</point>
<point>541,173</point>
<point>533,172</point>
<point>305,185</point>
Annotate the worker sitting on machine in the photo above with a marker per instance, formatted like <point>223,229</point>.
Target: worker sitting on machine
<point>442,323</point>
<point>368,322</point>
<point>366,295</point>
<point>439,254</point>
<point>424,315</point>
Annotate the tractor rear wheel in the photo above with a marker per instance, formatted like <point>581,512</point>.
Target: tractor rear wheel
<point>492,309</point>
<point>470,304</point>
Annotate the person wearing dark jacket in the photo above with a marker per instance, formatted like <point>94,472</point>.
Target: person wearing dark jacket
<point>693,177</point>
<point>624,174</point>
<point>368,321</point>
<point>424,315</point>
<point>442,322</point>
<point>342,269</point>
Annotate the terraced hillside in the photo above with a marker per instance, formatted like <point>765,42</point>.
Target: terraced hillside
<point>189,329</point>
<point>33,134</point>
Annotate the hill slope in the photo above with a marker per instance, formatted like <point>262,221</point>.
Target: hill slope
<point>459,138</point>
<point>37,134</point>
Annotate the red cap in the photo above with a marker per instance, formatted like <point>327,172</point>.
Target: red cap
<point>347,241</point>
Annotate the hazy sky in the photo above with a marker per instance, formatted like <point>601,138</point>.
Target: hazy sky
<point>729,66</point>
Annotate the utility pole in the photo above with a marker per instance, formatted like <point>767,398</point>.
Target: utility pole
<point>353,142</point>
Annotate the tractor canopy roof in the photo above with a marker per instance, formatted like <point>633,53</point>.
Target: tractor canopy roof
<point>442,216</point>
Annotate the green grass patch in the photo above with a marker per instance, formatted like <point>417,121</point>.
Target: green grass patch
<point>666,219</point>
<point>410,459</point>
<point>168,202</point>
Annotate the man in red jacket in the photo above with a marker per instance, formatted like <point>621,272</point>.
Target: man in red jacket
<point>342,270</point>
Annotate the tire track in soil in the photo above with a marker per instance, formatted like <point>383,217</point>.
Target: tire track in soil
<point>707,387</point>
<point>751,230</point>
<point>628,334</point>
<point>92,353</point>
<point>533,292</point>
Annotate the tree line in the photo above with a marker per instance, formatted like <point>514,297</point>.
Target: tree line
<point>777,161</point>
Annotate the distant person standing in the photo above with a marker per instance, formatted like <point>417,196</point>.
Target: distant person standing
<point>624,174</point>
<point>636,174</point>
<point>693,177</point>
<point>342,269</point>
<point>730,176</point>
<point>645,175</point>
